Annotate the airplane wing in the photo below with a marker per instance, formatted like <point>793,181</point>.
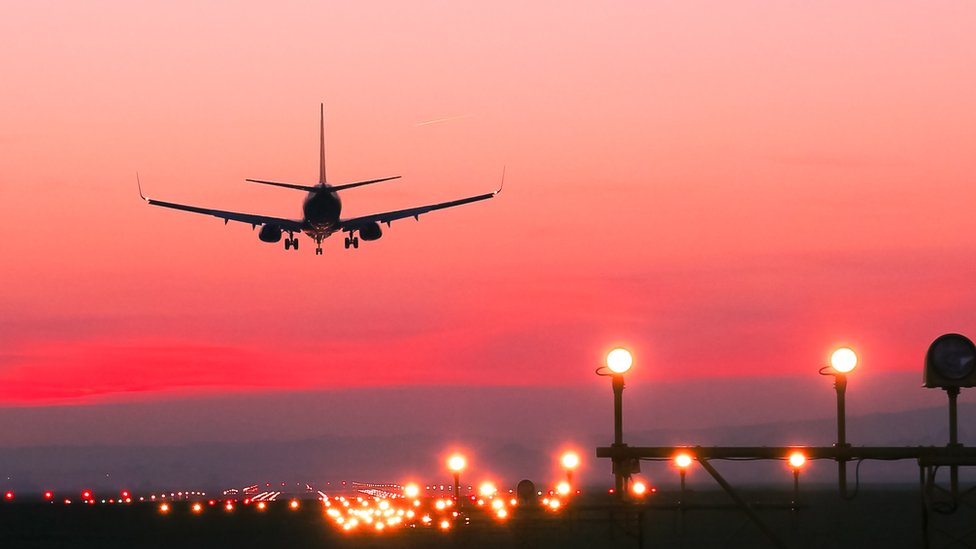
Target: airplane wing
<point>289,225</point>
<point>355,223</point>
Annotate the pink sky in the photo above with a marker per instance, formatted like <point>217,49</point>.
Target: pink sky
<point>729,188</point>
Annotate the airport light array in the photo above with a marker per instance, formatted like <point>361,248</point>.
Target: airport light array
<point>950,364</point>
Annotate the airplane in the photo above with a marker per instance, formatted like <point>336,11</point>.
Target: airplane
<point>321,209</point>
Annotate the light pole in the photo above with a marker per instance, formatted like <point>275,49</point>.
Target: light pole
<point>619,361</point>
<point>842,362</point>
<point>797,461</point>
<point>456,464</point>
<point>682,461</point>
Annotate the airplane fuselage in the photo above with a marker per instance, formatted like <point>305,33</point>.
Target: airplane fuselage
<point>321,211</point>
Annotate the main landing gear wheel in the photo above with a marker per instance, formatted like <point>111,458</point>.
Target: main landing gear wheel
<point>352,241</point>
<point>291,243</point>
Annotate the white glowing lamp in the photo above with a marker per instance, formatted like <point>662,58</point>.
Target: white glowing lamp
<point>619,360</point>
<point>456,463</point>
<point>843,360</point>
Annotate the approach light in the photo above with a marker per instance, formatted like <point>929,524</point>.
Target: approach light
<point>797,460</point>
<point>411,491</point>
<point>487,489</point>
<point>456,463</point>
<point>950,362</point>
<point>682,460</point>
<point>638,488</point>
<point>563,488</point>
<point>570,460</point>
<point>619,360</point>
<point>843,360</point>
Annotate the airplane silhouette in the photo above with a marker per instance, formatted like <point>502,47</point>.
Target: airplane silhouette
<point>321,209</point>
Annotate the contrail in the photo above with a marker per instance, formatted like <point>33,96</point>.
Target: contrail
<point>439,120</point>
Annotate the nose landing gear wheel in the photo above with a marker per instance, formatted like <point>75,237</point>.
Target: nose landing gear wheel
<point>318,251</point>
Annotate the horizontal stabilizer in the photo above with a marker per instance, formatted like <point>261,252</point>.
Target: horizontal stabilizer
<point>343,187</point>
<point>305,188</point>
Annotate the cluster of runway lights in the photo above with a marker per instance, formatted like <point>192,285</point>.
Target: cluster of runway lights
<point>88,497</point>
<point>410,508</point>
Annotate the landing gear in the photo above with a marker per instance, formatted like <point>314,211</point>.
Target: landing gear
<point>318,251</point>
<point>291,242</point>
<point>352,241</point>
<point>318,246</point>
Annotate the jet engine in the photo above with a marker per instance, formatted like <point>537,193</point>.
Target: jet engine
<point>270,233</point>
<point>371,231</point>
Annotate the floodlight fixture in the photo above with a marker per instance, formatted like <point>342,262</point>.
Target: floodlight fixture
<point>950,362</point>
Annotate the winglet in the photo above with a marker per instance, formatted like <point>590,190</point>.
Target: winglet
<point>502,185</point>
<point>139,185</point>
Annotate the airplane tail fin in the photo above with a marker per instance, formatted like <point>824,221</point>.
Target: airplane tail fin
<point>322,144</point>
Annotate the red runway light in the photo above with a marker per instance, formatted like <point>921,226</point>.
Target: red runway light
<point>49,495</point>
<point>8,496</point>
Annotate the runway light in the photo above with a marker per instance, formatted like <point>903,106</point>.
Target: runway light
<point>197,508</point>
<point>456,463</point>
<point>262,506</point>
<point>797,460</point>
<point>164,508</point>
<point>843,360</point>
<point>682,460</point>
<point>411,491</point>
<point>445,524</point>
<point>487,489</point>
<point>293,504</point>
<point>9,496</point>
<point>638,488</point>
<point>48,495</point>
<point>229,506</point>
<point>619,360</point>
